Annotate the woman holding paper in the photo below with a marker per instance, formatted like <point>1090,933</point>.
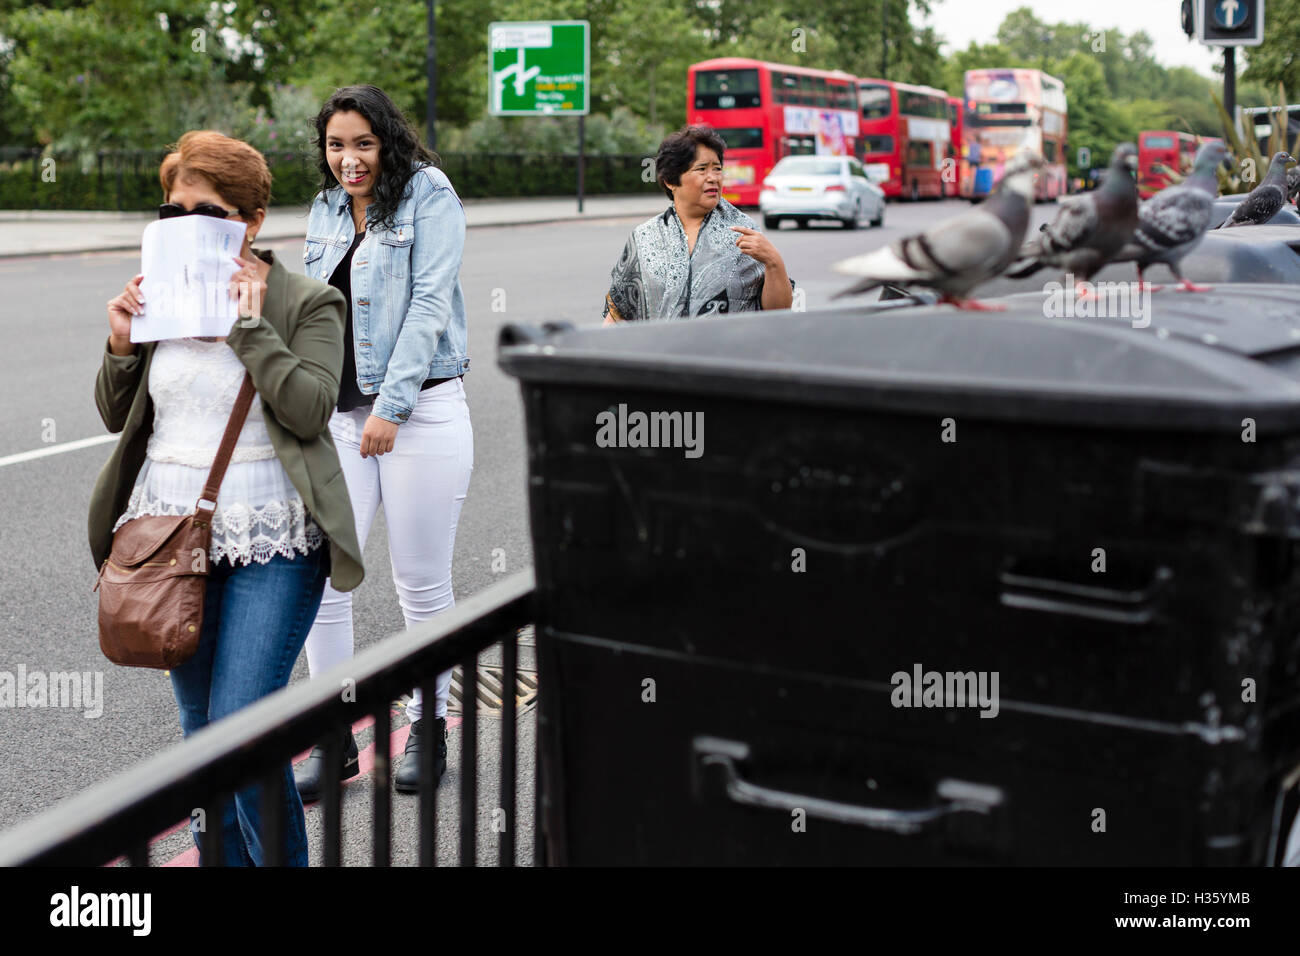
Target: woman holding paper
<point>283,520</point>
<point>387,228</point>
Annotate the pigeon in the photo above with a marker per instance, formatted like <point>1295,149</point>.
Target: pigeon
<point>1293,184</point>
<point>1174,220</point>
<point>959,253</point>
<point>1089,229</point>
<point>1265,199</point>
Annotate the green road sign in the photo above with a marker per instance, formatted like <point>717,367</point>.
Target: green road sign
<point>539,69</point>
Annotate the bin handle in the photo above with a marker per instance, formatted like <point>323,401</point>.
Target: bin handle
<point>953,796</point>
<point>1078,600</point>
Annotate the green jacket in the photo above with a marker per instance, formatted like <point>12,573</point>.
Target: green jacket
<point>295,356</point>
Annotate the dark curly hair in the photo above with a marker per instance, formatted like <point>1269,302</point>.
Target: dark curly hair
<point>677,153</point>
<point>399,147</point>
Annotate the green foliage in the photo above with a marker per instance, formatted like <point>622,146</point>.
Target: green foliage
<point>1252,162</point>
<point>112,72</point>
<point>129,180</point>
<point>1095,120</point>
<point>621,133</point>
<point>89,75</point>
<point>122,179</point>
<point>1275,60</point>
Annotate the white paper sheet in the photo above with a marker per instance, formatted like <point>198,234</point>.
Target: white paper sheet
<point>187,264</point>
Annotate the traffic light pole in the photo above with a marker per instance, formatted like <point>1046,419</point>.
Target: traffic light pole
<point>582,154</point>
<point>1230,84</point>
<point>431,92</point>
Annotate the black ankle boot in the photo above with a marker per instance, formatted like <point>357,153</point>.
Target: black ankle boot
<point>417,749</point>
<point>310,776</point>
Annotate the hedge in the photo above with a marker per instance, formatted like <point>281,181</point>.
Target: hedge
<point>128,179</point>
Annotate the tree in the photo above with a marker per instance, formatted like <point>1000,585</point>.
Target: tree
<point>111,72</point>
<point>1095,121</point>
<point>1277,59</point>
<point>650,56</point>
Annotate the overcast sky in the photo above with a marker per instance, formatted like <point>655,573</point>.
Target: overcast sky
<point>961,21</point>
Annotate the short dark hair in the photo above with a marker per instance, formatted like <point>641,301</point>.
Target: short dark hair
<point>677,152</point>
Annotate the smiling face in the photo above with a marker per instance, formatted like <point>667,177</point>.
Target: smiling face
<point>352,151</point>
<point>701,184</point>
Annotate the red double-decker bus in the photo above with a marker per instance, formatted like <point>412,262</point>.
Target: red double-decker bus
<point>905,137</point>
<point>1009,110</point>
<point>764,111</point>
<point>1164,152</point>
<point>956,124</point>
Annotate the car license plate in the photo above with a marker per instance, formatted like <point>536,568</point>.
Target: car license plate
<point>800,189</point>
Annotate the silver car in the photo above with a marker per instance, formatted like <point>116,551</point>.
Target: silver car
<point>803,188</point>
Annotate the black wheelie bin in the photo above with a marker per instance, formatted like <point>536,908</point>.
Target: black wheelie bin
<point>877,585</point>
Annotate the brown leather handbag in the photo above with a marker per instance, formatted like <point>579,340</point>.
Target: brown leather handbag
<point>151,586</point>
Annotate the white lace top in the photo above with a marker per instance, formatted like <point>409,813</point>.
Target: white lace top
<point>259,514</point>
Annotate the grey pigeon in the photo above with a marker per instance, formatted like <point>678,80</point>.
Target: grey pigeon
<point>1089,229</point>
<point>1174,220</point>
<point>1265,199</point>
<point>959,253</point>
<point>1293,183</point>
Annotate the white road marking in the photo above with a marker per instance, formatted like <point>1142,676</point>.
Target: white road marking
<point>57,449</point>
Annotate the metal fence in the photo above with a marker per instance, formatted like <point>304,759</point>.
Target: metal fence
<point>31,178</point>
<point>118,817</point>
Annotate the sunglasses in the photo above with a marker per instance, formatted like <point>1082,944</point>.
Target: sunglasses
<point>170,210</point>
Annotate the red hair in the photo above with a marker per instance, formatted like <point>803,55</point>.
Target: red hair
<point>233,168</point>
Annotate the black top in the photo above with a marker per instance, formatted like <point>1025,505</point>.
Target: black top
<point>350,394</point>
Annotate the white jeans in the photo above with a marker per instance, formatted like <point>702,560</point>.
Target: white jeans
<point>421,485</point>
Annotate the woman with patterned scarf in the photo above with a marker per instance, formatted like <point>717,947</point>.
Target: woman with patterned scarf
<point>702,256</point>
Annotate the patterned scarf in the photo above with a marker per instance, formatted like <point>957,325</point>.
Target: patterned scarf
<point>655,277</point>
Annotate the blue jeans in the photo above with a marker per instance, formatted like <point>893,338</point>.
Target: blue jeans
<point>255,620</point>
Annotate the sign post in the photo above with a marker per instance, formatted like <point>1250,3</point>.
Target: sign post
<point>1229,24</point>
<point>542,68</point>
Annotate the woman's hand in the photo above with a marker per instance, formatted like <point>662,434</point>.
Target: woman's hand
<point>120,311</point>
<point>378,437</point>
<point>757,246</point>
<point>248,286</point>
<point>612,317</point>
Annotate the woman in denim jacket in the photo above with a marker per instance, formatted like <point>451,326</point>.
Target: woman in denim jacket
<point>388,229</point>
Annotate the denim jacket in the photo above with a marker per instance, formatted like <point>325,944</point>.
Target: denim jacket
<point>408,313</point>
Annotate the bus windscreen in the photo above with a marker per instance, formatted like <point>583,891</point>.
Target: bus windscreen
<point>742,137</point>
<point>727,89</point>
<point>875,100</point>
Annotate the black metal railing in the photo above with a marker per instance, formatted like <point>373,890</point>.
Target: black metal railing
<point>127,179</point>
<point>120,816</point>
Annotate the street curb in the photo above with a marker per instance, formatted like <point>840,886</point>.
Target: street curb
<point>124,247</point>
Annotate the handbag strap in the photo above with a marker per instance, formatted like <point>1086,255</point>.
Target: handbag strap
<point>233,427</point>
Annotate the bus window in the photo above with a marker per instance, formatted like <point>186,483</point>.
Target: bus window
<point>875,100</point>
<point>877,144</point>
<point>726,89</point>
<point>742,137</point>
<point>785,87</point>
<point>798,146</point>
<point>920,153</point>
<point>1159,142</point>
<point>921,104</point>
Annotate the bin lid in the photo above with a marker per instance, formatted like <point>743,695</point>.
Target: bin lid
<point>1203,363</point>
